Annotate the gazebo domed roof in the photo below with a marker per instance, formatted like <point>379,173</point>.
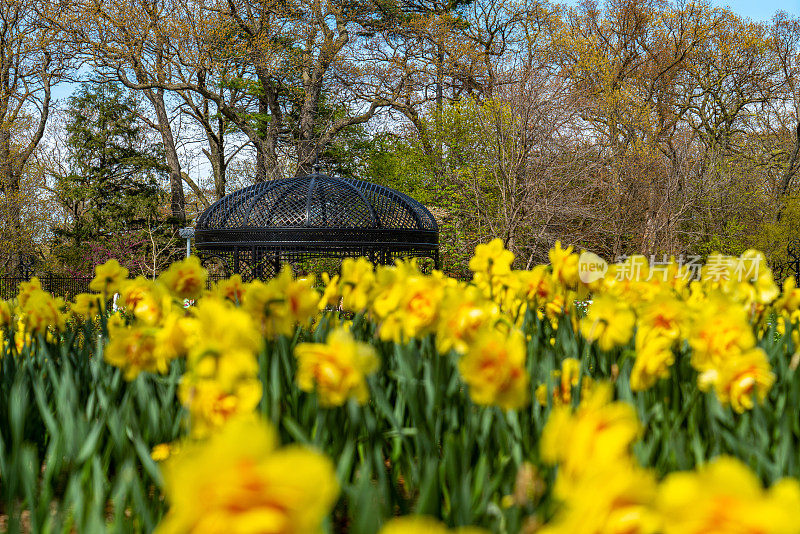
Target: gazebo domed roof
<point>316,211</point>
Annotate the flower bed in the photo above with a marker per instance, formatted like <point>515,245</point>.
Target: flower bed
<point>391,399</point>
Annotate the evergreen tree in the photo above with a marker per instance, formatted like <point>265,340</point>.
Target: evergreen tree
<point>112,189</point>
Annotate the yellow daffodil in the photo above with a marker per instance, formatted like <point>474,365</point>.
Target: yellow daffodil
<point>175,336</point>
<point>789,299</point>
<point>718,329</point>
<point>609,321</point>
<point>598,432</point>
<point>654,357</point>
<point>108,277</point>
<point>740,379</point>
<point>724,496</point>
<point>43,311</point>
<point>231,288</point>
<point>355,284</point>
<point>566,378</point>
<point>409,307</point>
<point>220,327</point>
<point>133,291</point>
<point>162,451</point>
<point>537,285</point>
<point>565,264</point>
<point>281,303</point>
<point>464,312</point>
<point>336,369</point>
<point>185,279</point>
<point>221,342</point>
<point>213,399</point>
<point>25,290</point>
<point>665,314</point>
<point>6,315</point>
<point>87,305</point>
<point>491,258</point>
<point>133,349</point>
<point>494,369</point>
<point>301,298</point>
<point>240,482</point>
<point>618,497</point>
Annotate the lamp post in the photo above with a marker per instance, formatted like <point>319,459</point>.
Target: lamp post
<point>187,234</point>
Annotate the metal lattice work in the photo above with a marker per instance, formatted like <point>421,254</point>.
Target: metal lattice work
<point>253,230</point>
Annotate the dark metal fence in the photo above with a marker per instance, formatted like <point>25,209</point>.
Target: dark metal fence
<point>69,286</point>
<point>63,286</point>
<point>60,286</point>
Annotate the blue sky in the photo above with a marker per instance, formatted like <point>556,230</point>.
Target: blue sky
<point>755,9</point>
<point>760,9</point>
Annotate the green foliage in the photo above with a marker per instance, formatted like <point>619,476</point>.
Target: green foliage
<point>348,154</point>
<point>75,437</point>
<point>459,184</point>
<point>731,241</point>
<point>776,233</point>
<point>113,185</point>
<point>399,164</point>
<point>405,166</point>
<point>115,169</point>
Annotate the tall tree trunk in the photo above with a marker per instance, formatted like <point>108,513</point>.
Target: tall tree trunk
<point>6,165</point>
<point>216,140</point>
<point>306,157</point>
<point>307,147</point>
<point>13,212</point>
<point>439,104</point>
<point>791,170</point>
<point>261,162</point>
<point>261,156</point>
<point>218,153</point>
<point>12,161</point>
<point>177,199</point>
<point>267,142</point>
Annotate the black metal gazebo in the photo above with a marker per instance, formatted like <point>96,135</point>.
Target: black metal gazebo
<point>255,229</point>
